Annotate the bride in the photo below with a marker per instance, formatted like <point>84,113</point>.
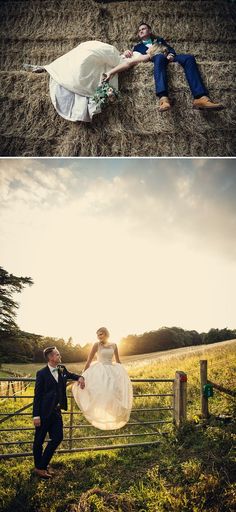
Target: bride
<point>75,76</point>
<point>106,400</point>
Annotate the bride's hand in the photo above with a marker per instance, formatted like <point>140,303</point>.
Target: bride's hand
<point>81,382</point>
<point>107,77</point>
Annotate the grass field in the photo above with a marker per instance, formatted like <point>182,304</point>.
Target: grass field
<point>190,470</point>
<point>129,361</point>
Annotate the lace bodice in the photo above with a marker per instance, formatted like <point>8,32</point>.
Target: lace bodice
<point>105,354</point>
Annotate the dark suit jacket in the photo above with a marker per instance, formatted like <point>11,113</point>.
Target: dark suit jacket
<point>48,392</point>
<point>142,48</point>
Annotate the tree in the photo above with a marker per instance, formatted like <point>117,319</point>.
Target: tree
<point>10,284</point>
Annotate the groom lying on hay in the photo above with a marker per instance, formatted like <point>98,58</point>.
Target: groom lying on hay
<point>162,54</point>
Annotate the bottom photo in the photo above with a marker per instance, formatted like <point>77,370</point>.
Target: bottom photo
<point>117,334</point>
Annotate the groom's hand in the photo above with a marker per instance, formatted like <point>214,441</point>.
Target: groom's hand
<point>81,382</point>
<point>128,53</point>
<point>37,422</point>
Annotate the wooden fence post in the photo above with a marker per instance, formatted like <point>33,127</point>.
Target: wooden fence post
<point>71,422</point>
<point>13,389</point>
<point>180,398</point>
<point>203,381</point>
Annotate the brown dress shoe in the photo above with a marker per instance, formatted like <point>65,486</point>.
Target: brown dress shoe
<point>50,470</point>
<point>164,104</point>
<point>42,473</point>
<point>204,103</point>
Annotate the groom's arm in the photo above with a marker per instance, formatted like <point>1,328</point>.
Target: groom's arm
<point>69,375</point>
<point>73,376</point>
<point>141,48</point>
<point>171,51</point>
<point>38,394</point>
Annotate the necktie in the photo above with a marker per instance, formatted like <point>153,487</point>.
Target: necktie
<point>55,374</point>
<point>148,42</point>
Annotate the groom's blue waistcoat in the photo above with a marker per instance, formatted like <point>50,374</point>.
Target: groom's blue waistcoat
<point>142,48</point>
<point>49,393</point>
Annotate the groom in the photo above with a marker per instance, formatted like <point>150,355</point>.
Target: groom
<point>49,399</point>
<point>188,62</point>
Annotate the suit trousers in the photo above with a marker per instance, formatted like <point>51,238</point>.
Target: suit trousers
<point>54,427</point>
<point>188,62</point>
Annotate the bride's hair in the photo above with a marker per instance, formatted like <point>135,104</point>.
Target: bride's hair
<point>103,329</point>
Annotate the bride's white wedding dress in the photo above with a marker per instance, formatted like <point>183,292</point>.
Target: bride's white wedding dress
<point>106,400</point>
<point>75,76</point>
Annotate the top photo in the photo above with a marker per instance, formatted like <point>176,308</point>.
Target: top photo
<point>87,78</point>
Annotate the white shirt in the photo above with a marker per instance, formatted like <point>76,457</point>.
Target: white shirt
<point>147,44</point>
<point>54,372</point>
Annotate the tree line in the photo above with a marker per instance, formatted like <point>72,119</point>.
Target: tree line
<point>24,347</point>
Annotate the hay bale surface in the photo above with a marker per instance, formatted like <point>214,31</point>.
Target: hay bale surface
<point>39,31</point>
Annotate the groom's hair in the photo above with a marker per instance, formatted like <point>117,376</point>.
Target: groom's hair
<point>144,23</point>
<point>48,351</point>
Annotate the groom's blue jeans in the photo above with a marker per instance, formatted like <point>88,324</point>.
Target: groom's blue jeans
<point>192,74</point>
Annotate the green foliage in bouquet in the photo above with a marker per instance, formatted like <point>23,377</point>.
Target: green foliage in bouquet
<point>105,94</point>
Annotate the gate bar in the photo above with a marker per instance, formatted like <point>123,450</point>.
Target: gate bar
<point>88,449</point>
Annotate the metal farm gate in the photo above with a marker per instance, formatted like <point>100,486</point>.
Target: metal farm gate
<point>153,408</point>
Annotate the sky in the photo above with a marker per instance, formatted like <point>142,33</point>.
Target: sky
<point>132,244</point>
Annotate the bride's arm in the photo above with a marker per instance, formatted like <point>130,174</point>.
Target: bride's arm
<point>116,354</point>
<point>91,356</point>
<point>126,65</point>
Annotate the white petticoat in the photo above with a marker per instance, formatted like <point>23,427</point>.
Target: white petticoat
<point>106,400</point>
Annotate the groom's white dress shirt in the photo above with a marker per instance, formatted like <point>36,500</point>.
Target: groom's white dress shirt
<point>54,372</point>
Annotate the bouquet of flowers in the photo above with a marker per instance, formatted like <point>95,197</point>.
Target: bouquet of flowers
<point>105,94</point>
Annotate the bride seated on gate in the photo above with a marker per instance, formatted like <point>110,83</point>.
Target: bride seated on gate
<point>106,399</point>
<point>75,77</point>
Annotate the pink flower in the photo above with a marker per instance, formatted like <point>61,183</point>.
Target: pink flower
<point>110,92</point>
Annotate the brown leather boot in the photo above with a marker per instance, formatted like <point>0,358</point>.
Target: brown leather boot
<point>164,104</point>
<point>204,103</point>
<point>42,473</point>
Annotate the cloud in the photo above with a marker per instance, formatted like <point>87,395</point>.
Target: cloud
<point>192,200</point>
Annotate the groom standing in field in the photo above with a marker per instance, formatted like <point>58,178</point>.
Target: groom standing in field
<point>49,399</point>
<point>201,101</point>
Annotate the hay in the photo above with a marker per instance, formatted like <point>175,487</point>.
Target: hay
<point>29,125</point>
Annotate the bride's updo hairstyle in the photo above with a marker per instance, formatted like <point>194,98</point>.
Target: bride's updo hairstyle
<point>104,330</point>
